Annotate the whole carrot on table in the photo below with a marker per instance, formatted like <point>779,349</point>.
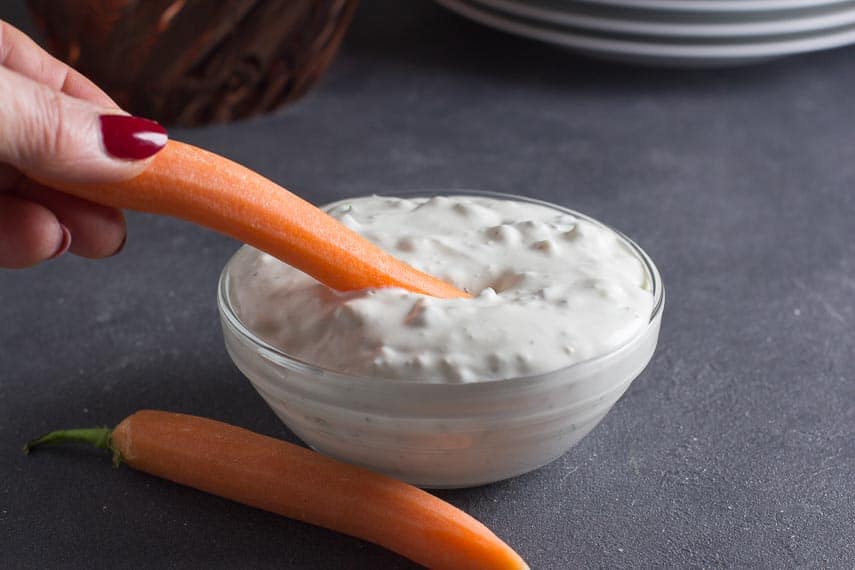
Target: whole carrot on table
<point>289,480</point>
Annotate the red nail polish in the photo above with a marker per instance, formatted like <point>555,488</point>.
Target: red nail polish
<point>64,243</point>
<point>131,138</point>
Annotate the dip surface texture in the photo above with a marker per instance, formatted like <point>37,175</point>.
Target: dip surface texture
<point>549,290</point>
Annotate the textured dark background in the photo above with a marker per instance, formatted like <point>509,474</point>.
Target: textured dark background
<point>734,448</point>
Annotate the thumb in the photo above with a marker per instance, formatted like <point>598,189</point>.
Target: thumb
<point>49,135</point>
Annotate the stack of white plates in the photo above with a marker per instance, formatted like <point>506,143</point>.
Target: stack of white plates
<point>681,32</point>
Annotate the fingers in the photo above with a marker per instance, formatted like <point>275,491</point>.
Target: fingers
<point>50,136</point>
<point>96,231</point>
<point>21,54</point>
<point>29,233</point>
<point>9,177</point>
<point>56,125</point>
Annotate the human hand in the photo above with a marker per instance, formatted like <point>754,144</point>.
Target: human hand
<point>57,125</point>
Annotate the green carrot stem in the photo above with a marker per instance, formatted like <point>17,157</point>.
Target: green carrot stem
<point>100,437</point>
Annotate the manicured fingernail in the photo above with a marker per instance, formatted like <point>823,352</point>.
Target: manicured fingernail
<point>131,138</point>
<point>121,245</point>
<point>64,243</point>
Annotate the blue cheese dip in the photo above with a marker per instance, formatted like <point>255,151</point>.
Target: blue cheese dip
<point>549,290</point>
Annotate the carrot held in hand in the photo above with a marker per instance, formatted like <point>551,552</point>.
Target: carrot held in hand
<point>298,483</point>
<point>187,182</point>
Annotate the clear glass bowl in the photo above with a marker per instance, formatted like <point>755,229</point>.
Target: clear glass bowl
<point>440,435</point>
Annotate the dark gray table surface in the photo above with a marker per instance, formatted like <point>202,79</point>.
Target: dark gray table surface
<point>733,449</point>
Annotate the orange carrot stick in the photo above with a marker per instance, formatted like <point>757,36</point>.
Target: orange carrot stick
<point>283,478</point>
<point>187,182</point>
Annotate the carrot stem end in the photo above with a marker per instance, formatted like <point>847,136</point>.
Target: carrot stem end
<point>100,437</point>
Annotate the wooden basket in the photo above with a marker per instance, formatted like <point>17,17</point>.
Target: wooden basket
<point>192,62</point>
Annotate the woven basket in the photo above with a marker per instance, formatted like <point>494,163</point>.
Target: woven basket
<point>192,62</point>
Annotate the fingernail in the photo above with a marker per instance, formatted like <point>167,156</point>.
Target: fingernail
<point>64,244</point>
<point>121,246</point>
<point>131,138</point>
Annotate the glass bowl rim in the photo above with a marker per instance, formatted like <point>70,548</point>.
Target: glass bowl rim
<point>295,364</point>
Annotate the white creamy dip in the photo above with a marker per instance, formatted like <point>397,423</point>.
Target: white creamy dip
<point>549,290</point>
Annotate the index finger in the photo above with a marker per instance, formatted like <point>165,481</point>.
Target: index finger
<point>21,54</point>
